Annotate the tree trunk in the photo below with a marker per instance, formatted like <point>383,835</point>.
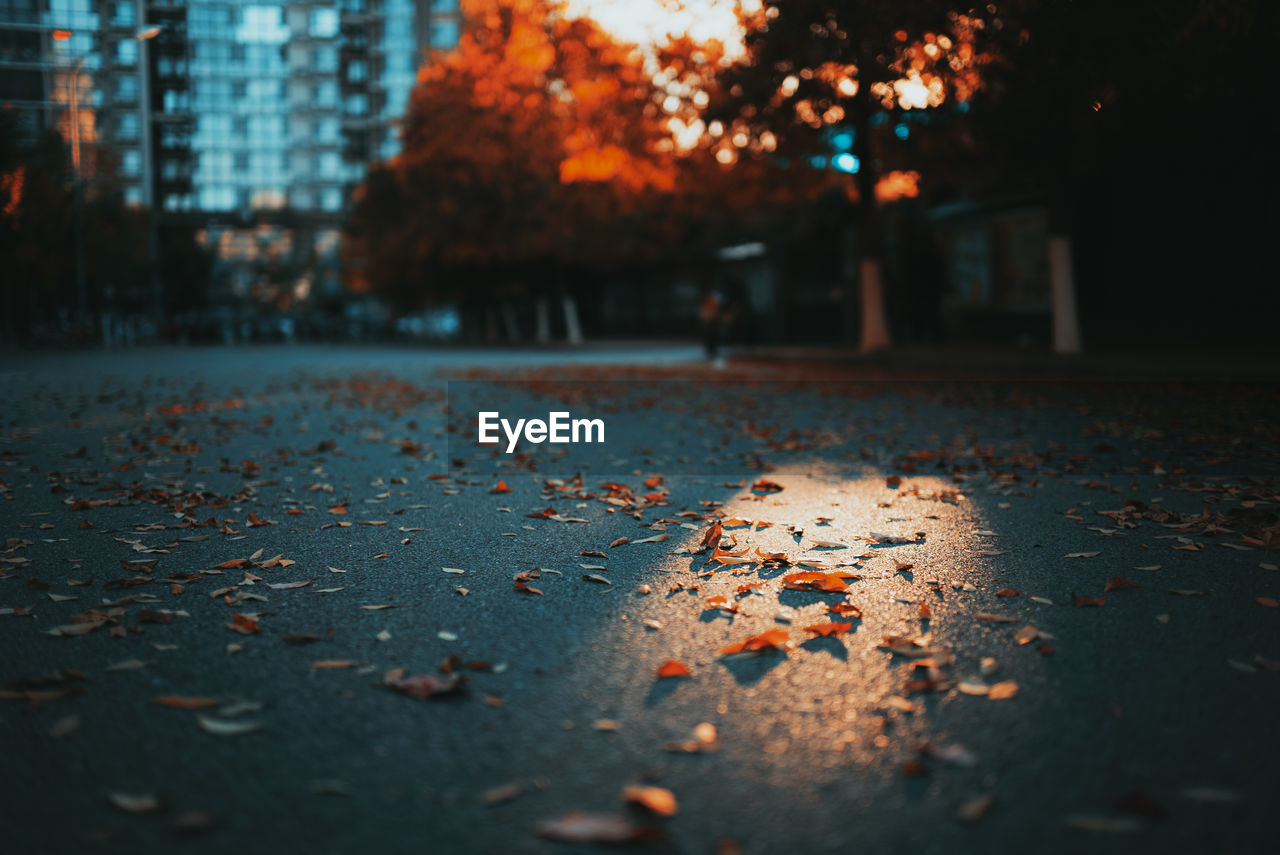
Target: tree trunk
<point>1066,323</point>
<point>875,329</point>
<point>573,330</point>
<point>542,311</point>
<point>875,325</point>
<point>510,324</point>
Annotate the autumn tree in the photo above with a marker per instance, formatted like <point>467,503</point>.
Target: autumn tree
<point>1146,104</point>
<point>815,68</point>
<point>535,145</point>
<point>37,234</point>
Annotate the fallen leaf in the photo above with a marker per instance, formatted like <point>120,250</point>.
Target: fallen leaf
<point>657,538</point>
<point>674,668</point>
<point>1026,635</point>
<point>580,827</point>
<point>64,726</point>
<point>1003,690</point>
<point>816,580</point>
<point>1103,824</point>
<point>974,809</point>
<point>423,685</point>
<point>222,727</point>
<point>192,822</point>
<point>243,624</point>
<point>657,800</point>
<point>179,702</point>
<point>131,803</point>
<point>953,754</point>
<point>772,639</point>
<point>832,628</point>
<point>502,793</point>
<point>1120,583</point>
<point>283,586</point>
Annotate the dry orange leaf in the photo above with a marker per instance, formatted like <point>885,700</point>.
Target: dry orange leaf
<point>845,610</point>
<point>825,630</point>
<point>674,668</point>
<point>1269,602</point>
<point>772,639</point>
<point>659,800</point>
<point>1081,601</point>
<point>243,624</point>
<point>500,487</point>
<point>1003,690</point>
<point>423,685</point>
<point>816,580</point>
<point>179,702</point>
<point>1119,583</point>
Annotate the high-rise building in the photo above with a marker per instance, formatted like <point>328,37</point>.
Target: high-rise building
<point>251,121</point>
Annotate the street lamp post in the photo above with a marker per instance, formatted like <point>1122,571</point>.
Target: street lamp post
<point>77,193</point>
<point>148,176</point>
<point>82,290</point>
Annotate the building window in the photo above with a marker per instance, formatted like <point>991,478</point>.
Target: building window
<point>128,126</point>
<point>127,87</point>
<point>122,14</point>
<point>326,59</point>
<point>331,199</point>
<point>131,162</point>
<point>356,104</point>
<point>357,72</point>
<point>133,196</point>
<point>444,34</point>
<point>263,24</point>
<point>324,23</point>
<point>127,51</point>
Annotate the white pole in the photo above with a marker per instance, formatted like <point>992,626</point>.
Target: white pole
<point>1066,324</point>
<point>573,334</point>
<point>875,329</point>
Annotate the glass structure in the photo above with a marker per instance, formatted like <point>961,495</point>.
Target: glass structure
<point>250,120</point>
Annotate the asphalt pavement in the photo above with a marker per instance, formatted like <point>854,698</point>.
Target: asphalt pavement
<point>266,599</point>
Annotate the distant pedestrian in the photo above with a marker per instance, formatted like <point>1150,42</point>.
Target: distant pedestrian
<point>711,323</point>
